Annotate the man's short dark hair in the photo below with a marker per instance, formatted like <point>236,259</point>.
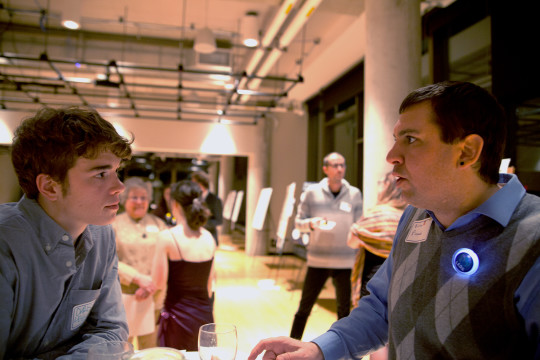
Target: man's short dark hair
<point>462,109</point>
<point>51,141</point>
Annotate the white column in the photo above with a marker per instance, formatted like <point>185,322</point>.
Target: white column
<point>392,70</point>
<point>257,179</point>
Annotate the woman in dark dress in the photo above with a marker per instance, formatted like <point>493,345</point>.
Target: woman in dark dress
<point>184,264</point>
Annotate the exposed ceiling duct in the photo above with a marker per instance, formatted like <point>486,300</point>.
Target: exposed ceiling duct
<point>43,64</point>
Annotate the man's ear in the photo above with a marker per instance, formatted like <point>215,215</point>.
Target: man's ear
<point>471,148</point>
<point>48,187</point>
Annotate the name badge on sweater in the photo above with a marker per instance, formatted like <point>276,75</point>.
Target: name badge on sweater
<point>419,231</point>
<point>345,207</point>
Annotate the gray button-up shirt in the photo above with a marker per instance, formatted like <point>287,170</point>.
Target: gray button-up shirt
<point>55,299</point>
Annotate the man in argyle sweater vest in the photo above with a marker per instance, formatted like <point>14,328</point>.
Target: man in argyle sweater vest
<point>462,280</point>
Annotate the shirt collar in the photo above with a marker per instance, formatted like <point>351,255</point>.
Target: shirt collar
<point>47,230</point>
<point>499,207</point>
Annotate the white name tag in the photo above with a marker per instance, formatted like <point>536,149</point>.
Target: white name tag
<point>345,207</point>
<point>419,231</point>
<point>80,313</point>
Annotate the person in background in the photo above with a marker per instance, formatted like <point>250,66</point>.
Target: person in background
<point>183,262</point>
<point>327,210</point>
<point>461,281</point>
<point>163,210</point>
<point>213,203</point>
<point>59,289</point>
<point>373,234</point>
<point>136,236</point>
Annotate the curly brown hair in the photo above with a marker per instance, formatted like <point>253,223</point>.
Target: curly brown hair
<point>51,141</point>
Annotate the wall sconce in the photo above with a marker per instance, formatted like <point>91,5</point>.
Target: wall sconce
<point>250,29</point>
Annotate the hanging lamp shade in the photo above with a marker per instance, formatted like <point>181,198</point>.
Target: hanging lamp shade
<point>250,29</point>
<point>205,42</point>
<point>71,15</point>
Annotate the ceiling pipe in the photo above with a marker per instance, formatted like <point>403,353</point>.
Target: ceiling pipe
<point>270,34</point>
<point>299,20</point>
<point>45,57</point>
<point>277,22</point>
<point>264,69</point>
<point>285,39</point>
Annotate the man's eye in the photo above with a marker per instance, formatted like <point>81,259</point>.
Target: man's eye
<point>101,175</point>
<point>410,139</point>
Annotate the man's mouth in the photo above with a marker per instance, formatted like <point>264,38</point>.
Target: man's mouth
<point>398,177</point>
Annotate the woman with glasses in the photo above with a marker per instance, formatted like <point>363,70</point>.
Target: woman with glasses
<point>136,235</point>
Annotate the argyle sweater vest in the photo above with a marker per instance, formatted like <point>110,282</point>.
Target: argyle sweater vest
<point>436,313</point>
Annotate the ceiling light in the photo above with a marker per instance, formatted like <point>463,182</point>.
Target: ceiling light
<point>205,42</point>
<point>254,61</point>
<point>71,15</point>
<point>250,29</point>
<point>113,98</point>
<point>76,79</point>
<point>269,62</point>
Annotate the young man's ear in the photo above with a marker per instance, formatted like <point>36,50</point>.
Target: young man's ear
<point>471,148</point>
<point>48,187</point>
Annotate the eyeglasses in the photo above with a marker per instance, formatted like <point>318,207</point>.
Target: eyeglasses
<point>138,198</point>
<point>335,166</point>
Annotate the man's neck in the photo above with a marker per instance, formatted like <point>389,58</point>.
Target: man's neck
<point>334,186</point>
<point>468,201</point>
<point>61,218</point>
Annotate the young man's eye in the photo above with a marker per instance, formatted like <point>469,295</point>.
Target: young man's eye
<point>101,175</point>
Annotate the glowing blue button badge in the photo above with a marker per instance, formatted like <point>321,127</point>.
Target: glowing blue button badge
<point>465,261</point>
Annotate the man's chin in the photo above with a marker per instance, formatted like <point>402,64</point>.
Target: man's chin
<point>106,220</point>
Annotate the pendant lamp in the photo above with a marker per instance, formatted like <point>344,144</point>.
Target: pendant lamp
<point>205,42</point>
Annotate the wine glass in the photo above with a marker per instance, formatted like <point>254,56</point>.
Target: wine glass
<point>111,350</point>
<point>217,342</point>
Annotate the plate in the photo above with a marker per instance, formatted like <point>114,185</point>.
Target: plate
<point>328,225</point>
<point>158,353</point>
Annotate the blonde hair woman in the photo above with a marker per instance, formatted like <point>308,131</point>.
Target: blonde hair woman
<point>136,236</point>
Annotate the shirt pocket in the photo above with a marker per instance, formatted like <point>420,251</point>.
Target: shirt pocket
<point>69,317</point>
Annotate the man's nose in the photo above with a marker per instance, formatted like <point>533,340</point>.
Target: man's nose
<point>393,156</point>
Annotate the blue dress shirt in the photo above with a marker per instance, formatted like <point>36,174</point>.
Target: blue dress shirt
<point>56,299</point>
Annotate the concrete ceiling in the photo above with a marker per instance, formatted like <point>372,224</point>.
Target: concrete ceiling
<point>125,58</point>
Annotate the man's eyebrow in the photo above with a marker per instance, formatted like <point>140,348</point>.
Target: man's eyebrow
<point>408,131</point>
<point>100,167</point>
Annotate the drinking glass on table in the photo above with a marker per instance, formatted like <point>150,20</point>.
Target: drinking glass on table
<point>110,350</point>
<point>217,342</point>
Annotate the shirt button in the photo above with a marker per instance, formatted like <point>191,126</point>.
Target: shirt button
<point>68,263</point>
<point>47,247</point>
<point>65,238</point>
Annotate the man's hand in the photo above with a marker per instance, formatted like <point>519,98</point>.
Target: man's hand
<point>316,222</point>
<point>285,348</point>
